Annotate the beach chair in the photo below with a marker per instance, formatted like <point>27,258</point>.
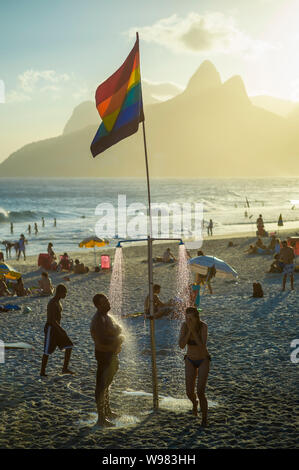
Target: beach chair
<point>44,260</point>
<point>105,263</point>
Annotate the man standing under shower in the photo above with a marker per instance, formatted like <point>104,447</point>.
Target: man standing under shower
<point>107,337</point>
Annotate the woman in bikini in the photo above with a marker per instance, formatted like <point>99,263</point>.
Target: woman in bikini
<point>194,334</point>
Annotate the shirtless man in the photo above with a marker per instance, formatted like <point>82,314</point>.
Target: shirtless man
<point>55,335</point>
<point>287,257</point>
<point>107,337</point>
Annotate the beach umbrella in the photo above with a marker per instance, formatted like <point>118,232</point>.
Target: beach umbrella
<point>201,264</point>
<point>92,242</point>
<point>8,272</point>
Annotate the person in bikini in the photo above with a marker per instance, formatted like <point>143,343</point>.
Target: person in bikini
<point>194,334</point>
<point>55,335</point>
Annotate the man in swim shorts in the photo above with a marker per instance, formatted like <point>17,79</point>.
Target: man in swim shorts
<point>55,335</point>
<point>107,337</point>
<point>287,257</point>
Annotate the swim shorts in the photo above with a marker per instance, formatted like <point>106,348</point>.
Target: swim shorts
<point>54,338</point>
<point>288,269</point>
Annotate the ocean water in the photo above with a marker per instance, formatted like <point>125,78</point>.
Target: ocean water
<point>73,202</point>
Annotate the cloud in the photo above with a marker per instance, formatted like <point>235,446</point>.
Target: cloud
<point>212,32</point>
<point>31,79</point>
<point>159,91</point>
<point>32,84</point>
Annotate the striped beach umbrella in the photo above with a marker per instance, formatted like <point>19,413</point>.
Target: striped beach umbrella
<point>92,242</point>
<point>7,271</point>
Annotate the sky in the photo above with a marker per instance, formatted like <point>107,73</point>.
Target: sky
<point>54,53</point>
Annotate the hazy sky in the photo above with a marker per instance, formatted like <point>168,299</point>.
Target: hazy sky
<point>54,53</point>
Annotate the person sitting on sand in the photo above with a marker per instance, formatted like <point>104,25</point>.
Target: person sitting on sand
<point>168,257</point>
<point>107,337</point>
<point>252,250</point>
<point>160,309</point>
<point>259,244</point>
<point>287,257</point>
<point>19,289</point>
<point>55,335</point>
<point>51,252</point>
<point>272,243</point>
<point>4,292</point>
<point>45,284</point>
<point>65,262</point>
<point>276,266</point>
<point>79,268</point>
<point>194,334</point>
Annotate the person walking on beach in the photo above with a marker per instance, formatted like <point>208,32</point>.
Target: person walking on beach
<point>287,257</point>
<point>55,335</point>
<point>107,337</point>
<point>22,242</point>
<point>194,334</point>
<point>210,227</point>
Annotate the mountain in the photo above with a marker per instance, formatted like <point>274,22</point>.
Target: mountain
<point>274,105</point>
<point>210,129</point>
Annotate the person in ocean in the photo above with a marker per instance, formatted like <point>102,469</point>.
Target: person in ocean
<point>35,228</point>
<point>43,221</point>
<point>29,229</point>
<point>194,334</point>
<point>55,335</point>
<point>11,227</point>
<point>107,336</point>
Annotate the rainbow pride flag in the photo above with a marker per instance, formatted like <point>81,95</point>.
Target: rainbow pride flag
<point>119,103</point>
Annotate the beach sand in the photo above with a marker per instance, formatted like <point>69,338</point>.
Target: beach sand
<point>252,387</point>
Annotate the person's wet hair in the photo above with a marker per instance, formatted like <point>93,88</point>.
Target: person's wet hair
<point>156,287</point>
<point>61,289</point>
<point>97,299</point>
<point>192,311</point>
<point>45,274</point>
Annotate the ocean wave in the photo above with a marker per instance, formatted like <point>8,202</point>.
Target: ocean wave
<point>18,216</point>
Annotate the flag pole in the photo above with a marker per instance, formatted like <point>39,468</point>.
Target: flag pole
<point>150,277</point>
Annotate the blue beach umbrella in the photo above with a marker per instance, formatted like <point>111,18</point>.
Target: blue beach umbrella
<point>201,264</point>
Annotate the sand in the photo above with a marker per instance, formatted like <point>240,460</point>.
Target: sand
<point>252,387</point>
